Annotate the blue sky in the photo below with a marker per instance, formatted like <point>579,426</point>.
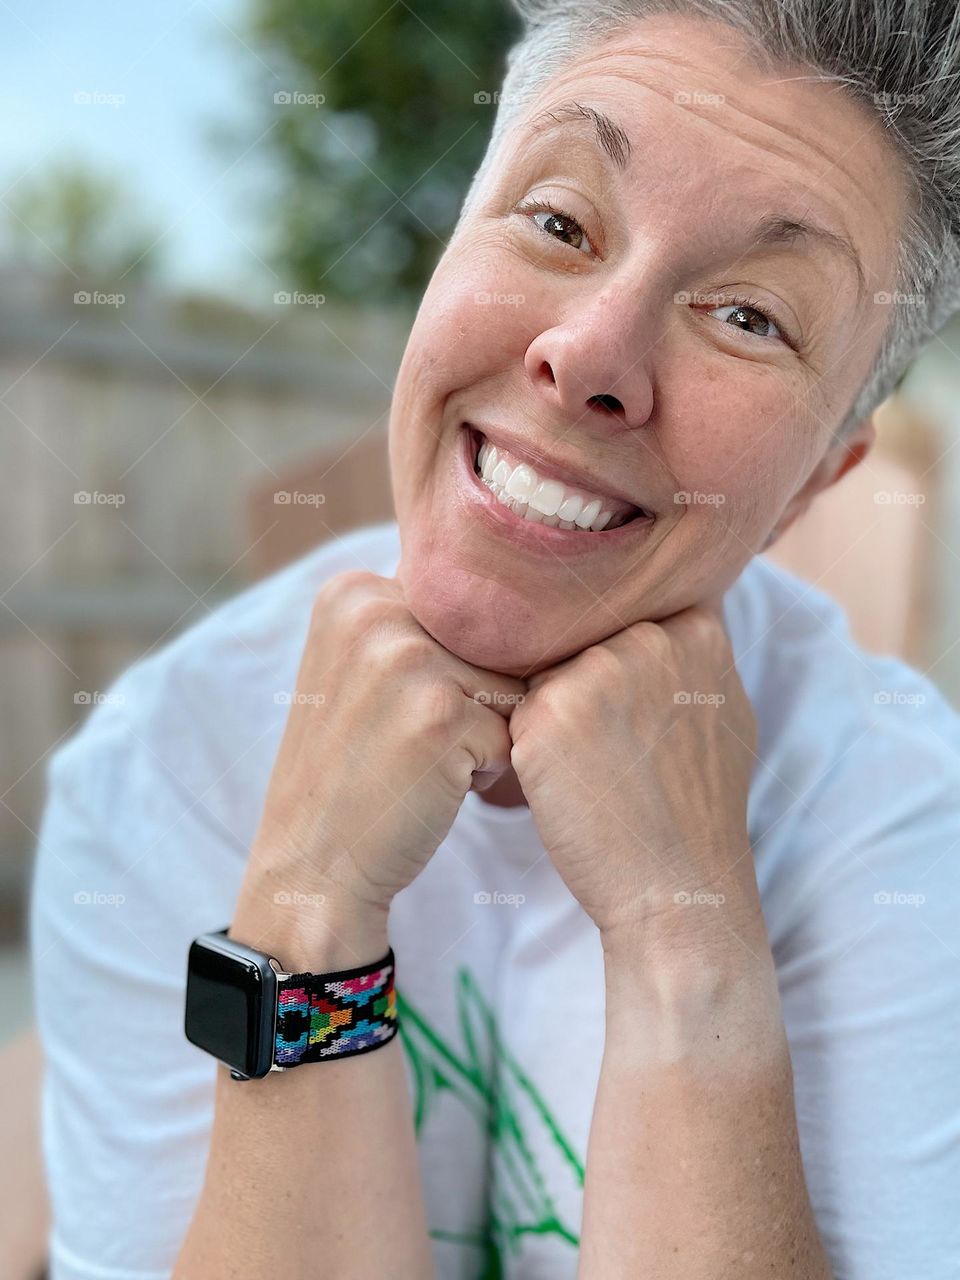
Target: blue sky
<point>180,71</point>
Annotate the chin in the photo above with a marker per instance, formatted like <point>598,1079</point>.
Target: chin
<point>484,622</point>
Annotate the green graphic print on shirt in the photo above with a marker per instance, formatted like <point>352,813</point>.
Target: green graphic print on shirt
<point>506,1106</point>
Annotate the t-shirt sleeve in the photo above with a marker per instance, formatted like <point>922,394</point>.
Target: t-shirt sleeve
<point>863,909</point>
<point>130,867</point>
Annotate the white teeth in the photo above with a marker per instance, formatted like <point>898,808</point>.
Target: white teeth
<point>588,514</point>
<point>570,508</point>
<point>541,501</point>
<point>547,497</point>
<point>522,482</point>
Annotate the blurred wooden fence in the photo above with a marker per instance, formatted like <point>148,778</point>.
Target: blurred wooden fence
<point>131,438</point>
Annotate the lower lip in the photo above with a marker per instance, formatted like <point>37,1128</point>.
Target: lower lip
<point>535,535</point>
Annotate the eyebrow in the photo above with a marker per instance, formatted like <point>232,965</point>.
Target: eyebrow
<point>777,229</point>
<point>774,229</point>
<point>610,137</point>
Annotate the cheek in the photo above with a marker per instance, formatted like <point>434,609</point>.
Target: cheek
<point>739,461</point>
<point>470,334</point>
<point>469,325</point>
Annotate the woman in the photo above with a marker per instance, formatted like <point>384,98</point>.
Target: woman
<point>666,863</point>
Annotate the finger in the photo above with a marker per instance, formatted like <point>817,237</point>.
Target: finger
<point>491,689</point>
<point>490,743</point>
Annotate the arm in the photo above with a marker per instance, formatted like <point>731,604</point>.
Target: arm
<point>317,1162</point>
<point>377,755</point>
<point>693,1166</point>
<point>132,865</point>
<point>635,756</point>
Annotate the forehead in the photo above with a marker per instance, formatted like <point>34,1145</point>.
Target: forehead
<point>699,113</point>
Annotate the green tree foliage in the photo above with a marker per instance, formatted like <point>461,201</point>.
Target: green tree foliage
<point>371,179</point>
<point>75,220</point>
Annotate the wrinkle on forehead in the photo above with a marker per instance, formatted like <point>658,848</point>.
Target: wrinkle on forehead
<point>844,152</point>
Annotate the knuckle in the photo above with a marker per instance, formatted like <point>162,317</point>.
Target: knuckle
<point>344,586</point>
<point>353,603</point>
<point>705,625</point>
<point>602,664</point>
<point>521,754</point>
<point>654,638</point>
<point>401,651</point>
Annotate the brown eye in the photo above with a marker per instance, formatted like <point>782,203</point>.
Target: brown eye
<point>557,224</point>
<point>561,227</point>
<point>750,319</point>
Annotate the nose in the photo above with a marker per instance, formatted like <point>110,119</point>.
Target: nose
<point>595,363</point>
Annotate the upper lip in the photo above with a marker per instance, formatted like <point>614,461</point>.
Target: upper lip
<point>574,474</point>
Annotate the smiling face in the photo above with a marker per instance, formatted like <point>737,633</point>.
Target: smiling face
<point>630,317</point>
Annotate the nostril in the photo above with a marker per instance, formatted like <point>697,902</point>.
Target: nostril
<point>610,403</point>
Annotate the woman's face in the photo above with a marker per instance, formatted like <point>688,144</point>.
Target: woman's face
<point>649,329</point>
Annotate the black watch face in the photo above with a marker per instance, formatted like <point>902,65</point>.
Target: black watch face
<point>231,1004</point>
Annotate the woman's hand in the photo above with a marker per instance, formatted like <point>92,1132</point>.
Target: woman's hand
<point>387,732</point>
<point>635,757</point>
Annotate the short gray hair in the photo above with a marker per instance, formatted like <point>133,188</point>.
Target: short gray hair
<point>901,60</point>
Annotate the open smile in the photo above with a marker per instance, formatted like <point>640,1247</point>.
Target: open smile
<point>533,498</point>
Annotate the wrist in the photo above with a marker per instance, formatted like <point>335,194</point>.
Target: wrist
<point>697,1008</point>
<point>320,931</point>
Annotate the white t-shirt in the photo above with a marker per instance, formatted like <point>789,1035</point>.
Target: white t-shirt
<point>854,816</point>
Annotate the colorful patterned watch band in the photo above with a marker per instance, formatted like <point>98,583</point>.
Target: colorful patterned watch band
<point>332,1015</point>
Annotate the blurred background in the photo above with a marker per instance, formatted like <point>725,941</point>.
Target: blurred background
<point>216,220</point>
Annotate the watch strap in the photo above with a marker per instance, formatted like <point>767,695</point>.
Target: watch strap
<point>333,1015</point>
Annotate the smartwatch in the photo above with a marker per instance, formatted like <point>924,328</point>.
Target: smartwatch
<point>245,1010</point>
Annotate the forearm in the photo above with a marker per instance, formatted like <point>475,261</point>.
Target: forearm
<point>693,1165</point>
<point>316,1165</point>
